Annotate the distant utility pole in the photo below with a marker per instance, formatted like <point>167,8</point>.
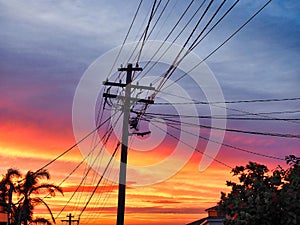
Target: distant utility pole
<point>69,220</point>
<point>125,133</point>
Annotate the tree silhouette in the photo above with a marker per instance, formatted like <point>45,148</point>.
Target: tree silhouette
<point>262,197</point>
<point>28,189</point>
<point>7,186</point>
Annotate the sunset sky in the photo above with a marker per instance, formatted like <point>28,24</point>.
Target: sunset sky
<point>47,46</point>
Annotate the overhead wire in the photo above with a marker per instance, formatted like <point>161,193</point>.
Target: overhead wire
<point>88,169</point>
<point>109,171</point>
<point>146,31</point>
<point>91,163</point>
<point>249,114</point>
<point>126,36</point>
<point>99,181</point>
<point>225,107</point>
<point>163,115</point>
<point>106,136</point>
<point>108,192</point>
<point>194,148</point>
<point>165,76</point>
<point>177,61</point>
<point>215,25</point>
<point>73,146</point>
<point>163,25</point>
<point>158,18</point>
<point>105,181</point>
<point>238,130</point>
<point>200,6</point>
<point>195,27</point>
<point>151,15</point>
<point>225,144</point>
<point>169,34</point>
<point>229,102</point>
<point>222,44</point>
<point>96,211</point>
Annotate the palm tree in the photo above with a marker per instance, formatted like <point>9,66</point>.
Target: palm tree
<point>28,189</point>
<point>7,186</point>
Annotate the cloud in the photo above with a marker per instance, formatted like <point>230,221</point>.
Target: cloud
<point>60,23</point>
<point>152,210</point>
<point>89,189</point>
<point>164,201</point>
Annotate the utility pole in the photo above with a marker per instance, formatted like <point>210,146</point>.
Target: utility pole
<point>123,164</point>
<point>69,220</point>
<point>125,132</point>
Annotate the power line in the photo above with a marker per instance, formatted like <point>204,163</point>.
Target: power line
<point>93,146</point>
<point>176,61</point>
<point>169,34</point>
<point>237,131</point>
<point>165,21</point>
<point>226,107</point>
<point>190,36</point>
<point>158,18</point>
<point>216,24</point>
<point>226,145</point>
<point>106,135</point>
<point>222,44</point>
<point>151,14</point>
<point>107,192</point>
<point>99,181</point>
<point>172,67</point>
<point>193,148</point>
<point>164,115</point>
<point>73,146</point>
<point>277,112</point>
<point>250,114</point>
<point>146,30</point>
<point>178,35</point>
<point>127,34</point>
<point>230,102</point>
<point>194,44</point>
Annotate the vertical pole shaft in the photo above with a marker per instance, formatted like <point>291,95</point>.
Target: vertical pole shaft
<point>123,164</point>
<point>70,219</point>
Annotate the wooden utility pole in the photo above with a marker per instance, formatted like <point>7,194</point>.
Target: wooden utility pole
<point>69,220</point>
<point>123,165</point>
<point>125,132</point>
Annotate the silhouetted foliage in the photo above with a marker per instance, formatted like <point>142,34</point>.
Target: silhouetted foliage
<point>262,197</point>
<point>41,221</point>
<point>7,184</point>
<point>27,189</point>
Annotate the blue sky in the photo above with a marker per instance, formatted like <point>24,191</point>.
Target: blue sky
<point>46,47</point>
<point>56,38</point>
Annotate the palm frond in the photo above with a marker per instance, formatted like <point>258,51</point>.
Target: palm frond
<point>38,201</point>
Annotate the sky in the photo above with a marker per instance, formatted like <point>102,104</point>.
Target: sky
<point>46,49</point>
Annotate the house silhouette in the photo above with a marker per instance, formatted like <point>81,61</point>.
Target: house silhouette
<point>215,217</point>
